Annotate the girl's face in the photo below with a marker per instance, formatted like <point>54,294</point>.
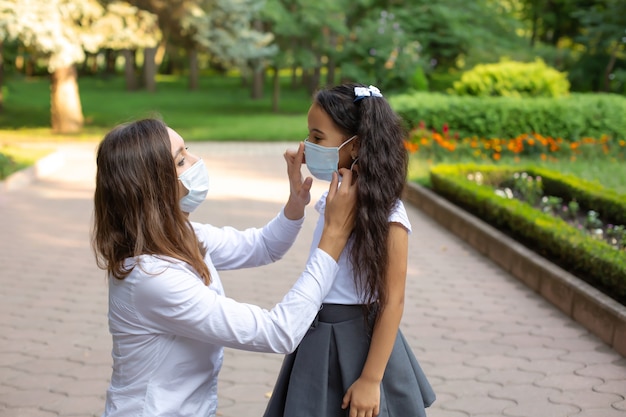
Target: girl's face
<point>324,132</point>
<point>182,158</point>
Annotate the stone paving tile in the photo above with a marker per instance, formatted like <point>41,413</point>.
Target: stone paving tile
<point>584,399</point>
<point>612,387</point>
<point>601,354</point>
<point>509,376</point>
<point>600,412</point>
<point>26,412</point>
<point>435,412</point>
<point>31,398</point>
<point>570,382</point>
<point>552,366</point>
<point>479,405</point>
<point>489,345</point>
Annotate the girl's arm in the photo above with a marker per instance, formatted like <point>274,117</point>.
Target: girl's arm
<point>363,396</point>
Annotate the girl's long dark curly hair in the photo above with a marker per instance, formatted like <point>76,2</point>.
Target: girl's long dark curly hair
<point>382,169</point>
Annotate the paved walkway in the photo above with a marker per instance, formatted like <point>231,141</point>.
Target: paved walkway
<point>489,345</point>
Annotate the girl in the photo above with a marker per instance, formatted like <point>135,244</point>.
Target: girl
<point>168,315</point>
<point>354,360</point>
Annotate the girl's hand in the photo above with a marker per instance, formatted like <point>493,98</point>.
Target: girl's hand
<point>363,397</point>
<point>299,189</point>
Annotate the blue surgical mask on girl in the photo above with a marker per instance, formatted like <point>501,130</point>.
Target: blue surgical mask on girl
<point>322,161</point>
<point>196,180</point>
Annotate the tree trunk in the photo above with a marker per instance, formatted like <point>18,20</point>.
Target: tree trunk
<point>29,67</point>
<point>258,75</point>
<point>535,18</point>
<point>1,74</point>
<point>257,84</point>
<point>149,69</point>
<point>314,81</point>
<point>193,69</point>
<point>294,76</point>
<point>129,70</point>
<point>109,61</point>
<point>609,69</point>
<point>65,108</point>
<point>275,89</point>
<point>160,53</point>
<point>331,66</point>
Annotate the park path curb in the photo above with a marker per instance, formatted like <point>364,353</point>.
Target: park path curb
<point>597,312</point>
<point>40,169</point>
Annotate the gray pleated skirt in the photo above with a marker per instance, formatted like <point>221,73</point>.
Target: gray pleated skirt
<point>314,378</point>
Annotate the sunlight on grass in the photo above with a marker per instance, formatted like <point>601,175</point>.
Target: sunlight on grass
<point>605,172</point>
<point>19,157</point>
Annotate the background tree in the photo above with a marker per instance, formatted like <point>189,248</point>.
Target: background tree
<point>58,30</point>
<point>61,31</point>
<point>126,28</point>
<point>605,37</point>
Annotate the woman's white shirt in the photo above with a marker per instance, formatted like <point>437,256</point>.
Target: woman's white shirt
<point>169,329</point>
<point>343,290</point>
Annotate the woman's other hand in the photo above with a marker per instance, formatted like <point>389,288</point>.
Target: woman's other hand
<point>339,213</point>
<point>299,188</point>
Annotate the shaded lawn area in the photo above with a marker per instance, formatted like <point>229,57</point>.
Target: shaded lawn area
<point>221,110</point>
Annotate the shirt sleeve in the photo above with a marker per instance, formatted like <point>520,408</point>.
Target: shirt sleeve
<point>177,302</point>
<point>399,215</point>
<point>230,248</point>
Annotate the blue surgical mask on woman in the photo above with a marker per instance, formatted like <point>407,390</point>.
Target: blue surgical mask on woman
<point>322,161</point>
<point>196,180</point>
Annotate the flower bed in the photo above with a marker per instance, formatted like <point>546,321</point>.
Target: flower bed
<point>595,260</point>
<point>448,146</point>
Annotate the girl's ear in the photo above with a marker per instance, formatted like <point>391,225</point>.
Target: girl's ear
<point>354,148</point>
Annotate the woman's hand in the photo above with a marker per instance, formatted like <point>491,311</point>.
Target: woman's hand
<point>299,189</point>
<point>363,397</point>
<point>339,213</point>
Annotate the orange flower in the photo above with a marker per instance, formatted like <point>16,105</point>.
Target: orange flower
<point>411,147</point>
<point>544,157</point>
<point>574,145</point>
<point>496,156</point>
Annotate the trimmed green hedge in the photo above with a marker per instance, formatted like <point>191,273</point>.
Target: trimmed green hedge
<point>571,118</point>
<point>592,260</point>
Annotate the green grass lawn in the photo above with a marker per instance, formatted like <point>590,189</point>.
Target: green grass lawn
<point>221,110</point>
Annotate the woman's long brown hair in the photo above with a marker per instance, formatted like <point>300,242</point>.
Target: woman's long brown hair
<point>382,161</point>
<point>136,201</point>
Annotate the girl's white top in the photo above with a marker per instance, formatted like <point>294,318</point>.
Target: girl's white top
<point>343,290</point>
<point>169,328</point>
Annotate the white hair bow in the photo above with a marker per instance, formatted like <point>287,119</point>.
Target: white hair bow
<point>371,91</point>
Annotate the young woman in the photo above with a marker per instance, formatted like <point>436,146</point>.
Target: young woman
<point>168,315</point>
<point>354,361</point>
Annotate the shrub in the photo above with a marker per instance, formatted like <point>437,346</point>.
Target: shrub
<point>571,118</point>
<point>513,79</point>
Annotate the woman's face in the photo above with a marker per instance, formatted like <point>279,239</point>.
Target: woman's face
<point>182,158</point>
<point>324,132</point>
